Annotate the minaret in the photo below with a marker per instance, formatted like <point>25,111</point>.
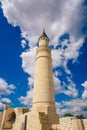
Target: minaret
<point>43,96</point>
<point>43,82</point>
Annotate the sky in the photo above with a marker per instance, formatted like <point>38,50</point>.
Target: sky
<point>65,22</point>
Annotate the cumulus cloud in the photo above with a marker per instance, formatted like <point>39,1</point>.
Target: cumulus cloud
<point>84,95</point>
<point>1,105</point>
<point>69,50</point>
<point>28,60</point>
<point>28,99</point>
<point>57,85</point>
<point>6,88</point>
<point>5,100</point>
<point>56,16</point>
<point>23,43</point>
<point>75,107</point>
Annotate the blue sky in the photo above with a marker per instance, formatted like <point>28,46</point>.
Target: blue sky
<point>20,27</point>
<point>10,65</point>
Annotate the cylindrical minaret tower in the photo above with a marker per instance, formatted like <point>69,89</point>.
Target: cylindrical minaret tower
<point>43,96</point>
<point>43,82</point>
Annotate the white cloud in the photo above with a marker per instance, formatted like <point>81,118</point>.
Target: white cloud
<point>75,107</point>
<point>60,59</point>
<point>28,64</point>
<point>72,51</point>
<point>5,100</point>
<point>32,16</point>
<point>6,88</point>
<point>57,85</point>
<point>23,43</point>
<point>57,57</point>
<point>84,95</point>
<point>28,99</point>
<point>31,82</point>
<point>71,91</point>
<point>28,61</point>
<point>1,105</point>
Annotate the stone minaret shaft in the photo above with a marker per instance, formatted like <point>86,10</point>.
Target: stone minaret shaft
<point>43,82</point>
<point>43,96</point>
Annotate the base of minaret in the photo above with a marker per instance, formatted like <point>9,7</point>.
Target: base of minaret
<point>43,118</point>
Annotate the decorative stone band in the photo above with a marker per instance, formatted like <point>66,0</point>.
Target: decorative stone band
<point>45,57</point>
<point>43,48</point>
<point>44,102</point>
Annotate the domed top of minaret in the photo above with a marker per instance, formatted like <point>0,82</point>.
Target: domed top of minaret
<point>43,39</point>
<point>43,35</point>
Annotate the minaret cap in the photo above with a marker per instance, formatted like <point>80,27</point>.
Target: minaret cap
<point>43,35</point>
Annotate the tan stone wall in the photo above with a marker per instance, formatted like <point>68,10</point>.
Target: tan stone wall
<point>19,123</point>
<point>85,123</point>
<point>1,115</point>
<point>39,121</point>
<point>6,121</point>
<point>66,123</point>
<point>72,123</point>
<point>20,118</point>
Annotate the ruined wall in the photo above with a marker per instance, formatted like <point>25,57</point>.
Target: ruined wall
<point>12,118</point>
<point>28,120</point>
<point>72,123</point>
<point>85,123</point>
<point>7,118</point>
